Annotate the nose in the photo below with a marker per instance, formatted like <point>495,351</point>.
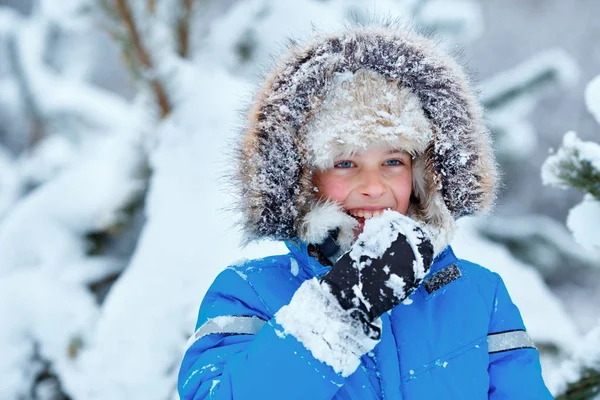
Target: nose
<point>372,184</point>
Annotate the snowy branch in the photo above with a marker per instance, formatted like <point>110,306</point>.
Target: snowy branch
<point>32,107</point>
<point>585,388</point>
<point>537,73</point>
<point>512,95</point>
<point>140,54</point>
<point>576,164</point>
<point>529,237</point>
<point>581,373</point>
<point>183,28</point>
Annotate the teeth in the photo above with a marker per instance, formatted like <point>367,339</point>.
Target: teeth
<point>367,214</point>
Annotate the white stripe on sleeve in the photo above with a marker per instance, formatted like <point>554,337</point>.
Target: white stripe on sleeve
<point>511,340</point>
<point>233,325</point>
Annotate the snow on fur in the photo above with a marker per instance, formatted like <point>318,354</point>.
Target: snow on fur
<point>275,180</point>
<point>363,110</point>
<point>325,217</point>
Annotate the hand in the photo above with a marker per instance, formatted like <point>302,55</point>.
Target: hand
<point>385,265</point>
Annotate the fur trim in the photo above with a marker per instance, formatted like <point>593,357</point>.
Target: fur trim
<point>324,218</point>
<point>454,176</point>
<point>364,109</point>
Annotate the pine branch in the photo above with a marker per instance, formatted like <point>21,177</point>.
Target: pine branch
<point>543,70</point>
<point>587,388</point>
<point>542,79</point>
<point>141,55</point>
<point>579,173</point>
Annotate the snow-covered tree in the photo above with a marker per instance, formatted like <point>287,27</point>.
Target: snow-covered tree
<point>50,111</point>
<point>510,97</point>
<point>71,196</point>
<point>577,164</point>
<point>252,31</point>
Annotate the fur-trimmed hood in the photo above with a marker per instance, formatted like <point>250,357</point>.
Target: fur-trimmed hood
<point>417,98</point>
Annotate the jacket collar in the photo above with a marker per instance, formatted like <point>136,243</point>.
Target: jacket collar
<point>299,250</point>
<point>443,259</point>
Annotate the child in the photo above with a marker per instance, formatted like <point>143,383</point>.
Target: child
<point>361,150</point>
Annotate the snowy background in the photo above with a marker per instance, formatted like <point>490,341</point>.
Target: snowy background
<point>116,124</point>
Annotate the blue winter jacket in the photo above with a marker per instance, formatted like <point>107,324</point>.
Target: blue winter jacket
<point>459,336</point>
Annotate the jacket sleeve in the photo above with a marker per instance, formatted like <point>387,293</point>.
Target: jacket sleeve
<point>515,371</point>
<point>239,352</point>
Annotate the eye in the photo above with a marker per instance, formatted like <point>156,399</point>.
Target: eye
<point>393,162</point>
<point>344,164</point>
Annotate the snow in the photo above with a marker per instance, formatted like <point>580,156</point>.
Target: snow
<point>10,187</point>
<point>256,25</point>
<point>330,333</point>
<point>186,242</point>
<point>585,356</point>
<point>583,221</point>
<point>459,20</point>
<point>573,151</point>
<point>244,40</point>
<point>397,284</point>
<point>43,318</point>
<point>44,229</point>
<point>592,97</point>
<point>58,95</point>
<point>68,14</point>
<point>52,155</point>
<point>294,267</point>
<point>565,164</point>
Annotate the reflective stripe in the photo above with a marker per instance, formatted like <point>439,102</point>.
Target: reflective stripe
<point>511,340</point>
<point>231,325</point>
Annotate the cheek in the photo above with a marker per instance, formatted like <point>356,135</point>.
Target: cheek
<point>402,191</point>
<point>333,188</point>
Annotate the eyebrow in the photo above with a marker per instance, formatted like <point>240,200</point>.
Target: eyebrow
<point>342,157</point>
<point>393,151</point>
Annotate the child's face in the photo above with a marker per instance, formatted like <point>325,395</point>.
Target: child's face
<point>368,182</point>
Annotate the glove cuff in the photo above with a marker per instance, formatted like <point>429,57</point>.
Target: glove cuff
<point>333,335</point>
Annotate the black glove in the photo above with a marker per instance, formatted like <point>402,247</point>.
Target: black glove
<point>380,271</point>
